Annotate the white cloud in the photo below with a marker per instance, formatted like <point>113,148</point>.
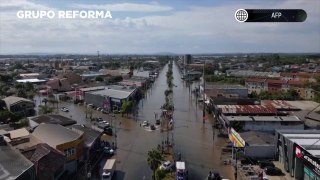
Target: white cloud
<point>126,7</point>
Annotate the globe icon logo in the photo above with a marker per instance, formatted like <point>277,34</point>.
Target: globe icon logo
<point>241,15</point>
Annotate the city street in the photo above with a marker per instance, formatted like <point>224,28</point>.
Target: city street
<point>193,139</point>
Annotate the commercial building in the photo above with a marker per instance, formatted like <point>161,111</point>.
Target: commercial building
<point>259,145</point>
<point>13,165</point>
<point>226,90</point>
<point>110,98</point>
<point>299,152</point>
<point>64,140</point>
<point>21,106</point>
<point>261,123</point>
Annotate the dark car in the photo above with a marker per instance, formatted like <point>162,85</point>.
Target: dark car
<point>108,130</point>
<point>152,127</point>
<point>264,164</point>
<point>158,122</point>
<point>273,171</point>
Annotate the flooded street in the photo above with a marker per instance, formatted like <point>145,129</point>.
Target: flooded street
<point>192,138</point>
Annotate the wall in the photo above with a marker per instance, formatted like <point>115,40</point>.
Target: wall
<point>260,151</point>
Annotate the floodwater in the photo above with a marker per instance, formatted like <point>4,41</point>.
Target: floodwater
<point>198,144</point>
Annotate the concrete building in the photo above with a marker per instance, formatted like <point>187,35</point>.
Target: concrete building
<point>64,140</point>
<point>261,123</point>
<point>187,59</point>
<point>299,152</point>
<point>226,90</point>
<point>110,98</point>
<point>13,165</point>
<point>21,106</point>
<point>259,145</point>
<point>91,140</point>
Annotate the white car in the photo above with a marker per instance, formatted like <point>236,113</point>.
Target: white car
<point>64,109</point>
<point>166,166</point>
<point>145,123</point>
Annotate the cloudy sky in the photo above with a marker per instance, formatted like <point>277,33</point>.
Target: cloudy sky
<point>177,26</point>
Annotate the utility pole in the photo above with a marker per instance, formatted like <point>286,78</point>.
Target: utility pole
<point>204,88</point>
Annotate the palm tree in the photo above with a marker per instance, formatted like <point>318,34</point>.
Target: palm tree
<point>154,160</point>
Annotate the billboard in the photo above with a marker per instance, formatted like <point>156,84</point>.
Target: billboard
<point>235,137</point>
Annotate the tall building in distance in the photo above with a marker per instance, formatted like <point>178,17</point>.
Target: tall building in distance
<point>187,59</point>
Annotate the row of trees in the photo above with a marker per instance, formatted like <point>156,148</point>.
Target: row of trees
<point>224,79</point>
<point>168,105</point>
<point>289,95</point>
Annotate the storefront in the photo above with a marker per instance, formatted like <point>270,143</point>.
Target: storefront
<point>306,166</point>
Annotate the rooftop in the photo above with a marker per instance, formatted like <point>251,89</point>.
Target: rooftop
<point>10,100</point>
<point>12,163</point>
<point>19,133</point>
<point>54,134</point>
<point>90,135</point>
<point>264,118</point>
<point>30,80</point>
<point>247,109</point>
<point>119,92</point>
<point>224,86</point>
<point>52,119</point>
<point>257,138</point>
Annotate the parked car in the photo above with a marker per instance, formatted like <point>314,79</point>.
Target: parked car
<point>167,166</point>
<point>64,109</point>
<point>108,150</point>
<point>273,171</point>
<point>158,122</point>
<point>145,123</point>
<point>108,130</point>
<point>152,127</point>
<point>264,164</point>
<point>99,109</point>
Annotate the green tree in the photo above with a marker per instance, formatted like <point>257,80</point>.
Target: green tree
<point>45,109</point>
<point>22,93</point>
<point>98,78</point>
<point>154,160</point>
<point>160,174</point>
<point>126,107</point>
<point>3,105</point>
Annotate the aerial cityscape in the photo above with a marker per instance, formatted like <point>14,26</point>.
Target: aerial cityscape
<point>159,92</point>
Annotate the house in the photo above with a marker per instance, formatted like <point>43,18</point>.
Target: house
<point>48,162</point>
<point>21,106</point>
<point>256,85</point>
<point>59,85</point>
<point>73,78</point>
<point>13,165</point>
<point>64,140</point>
